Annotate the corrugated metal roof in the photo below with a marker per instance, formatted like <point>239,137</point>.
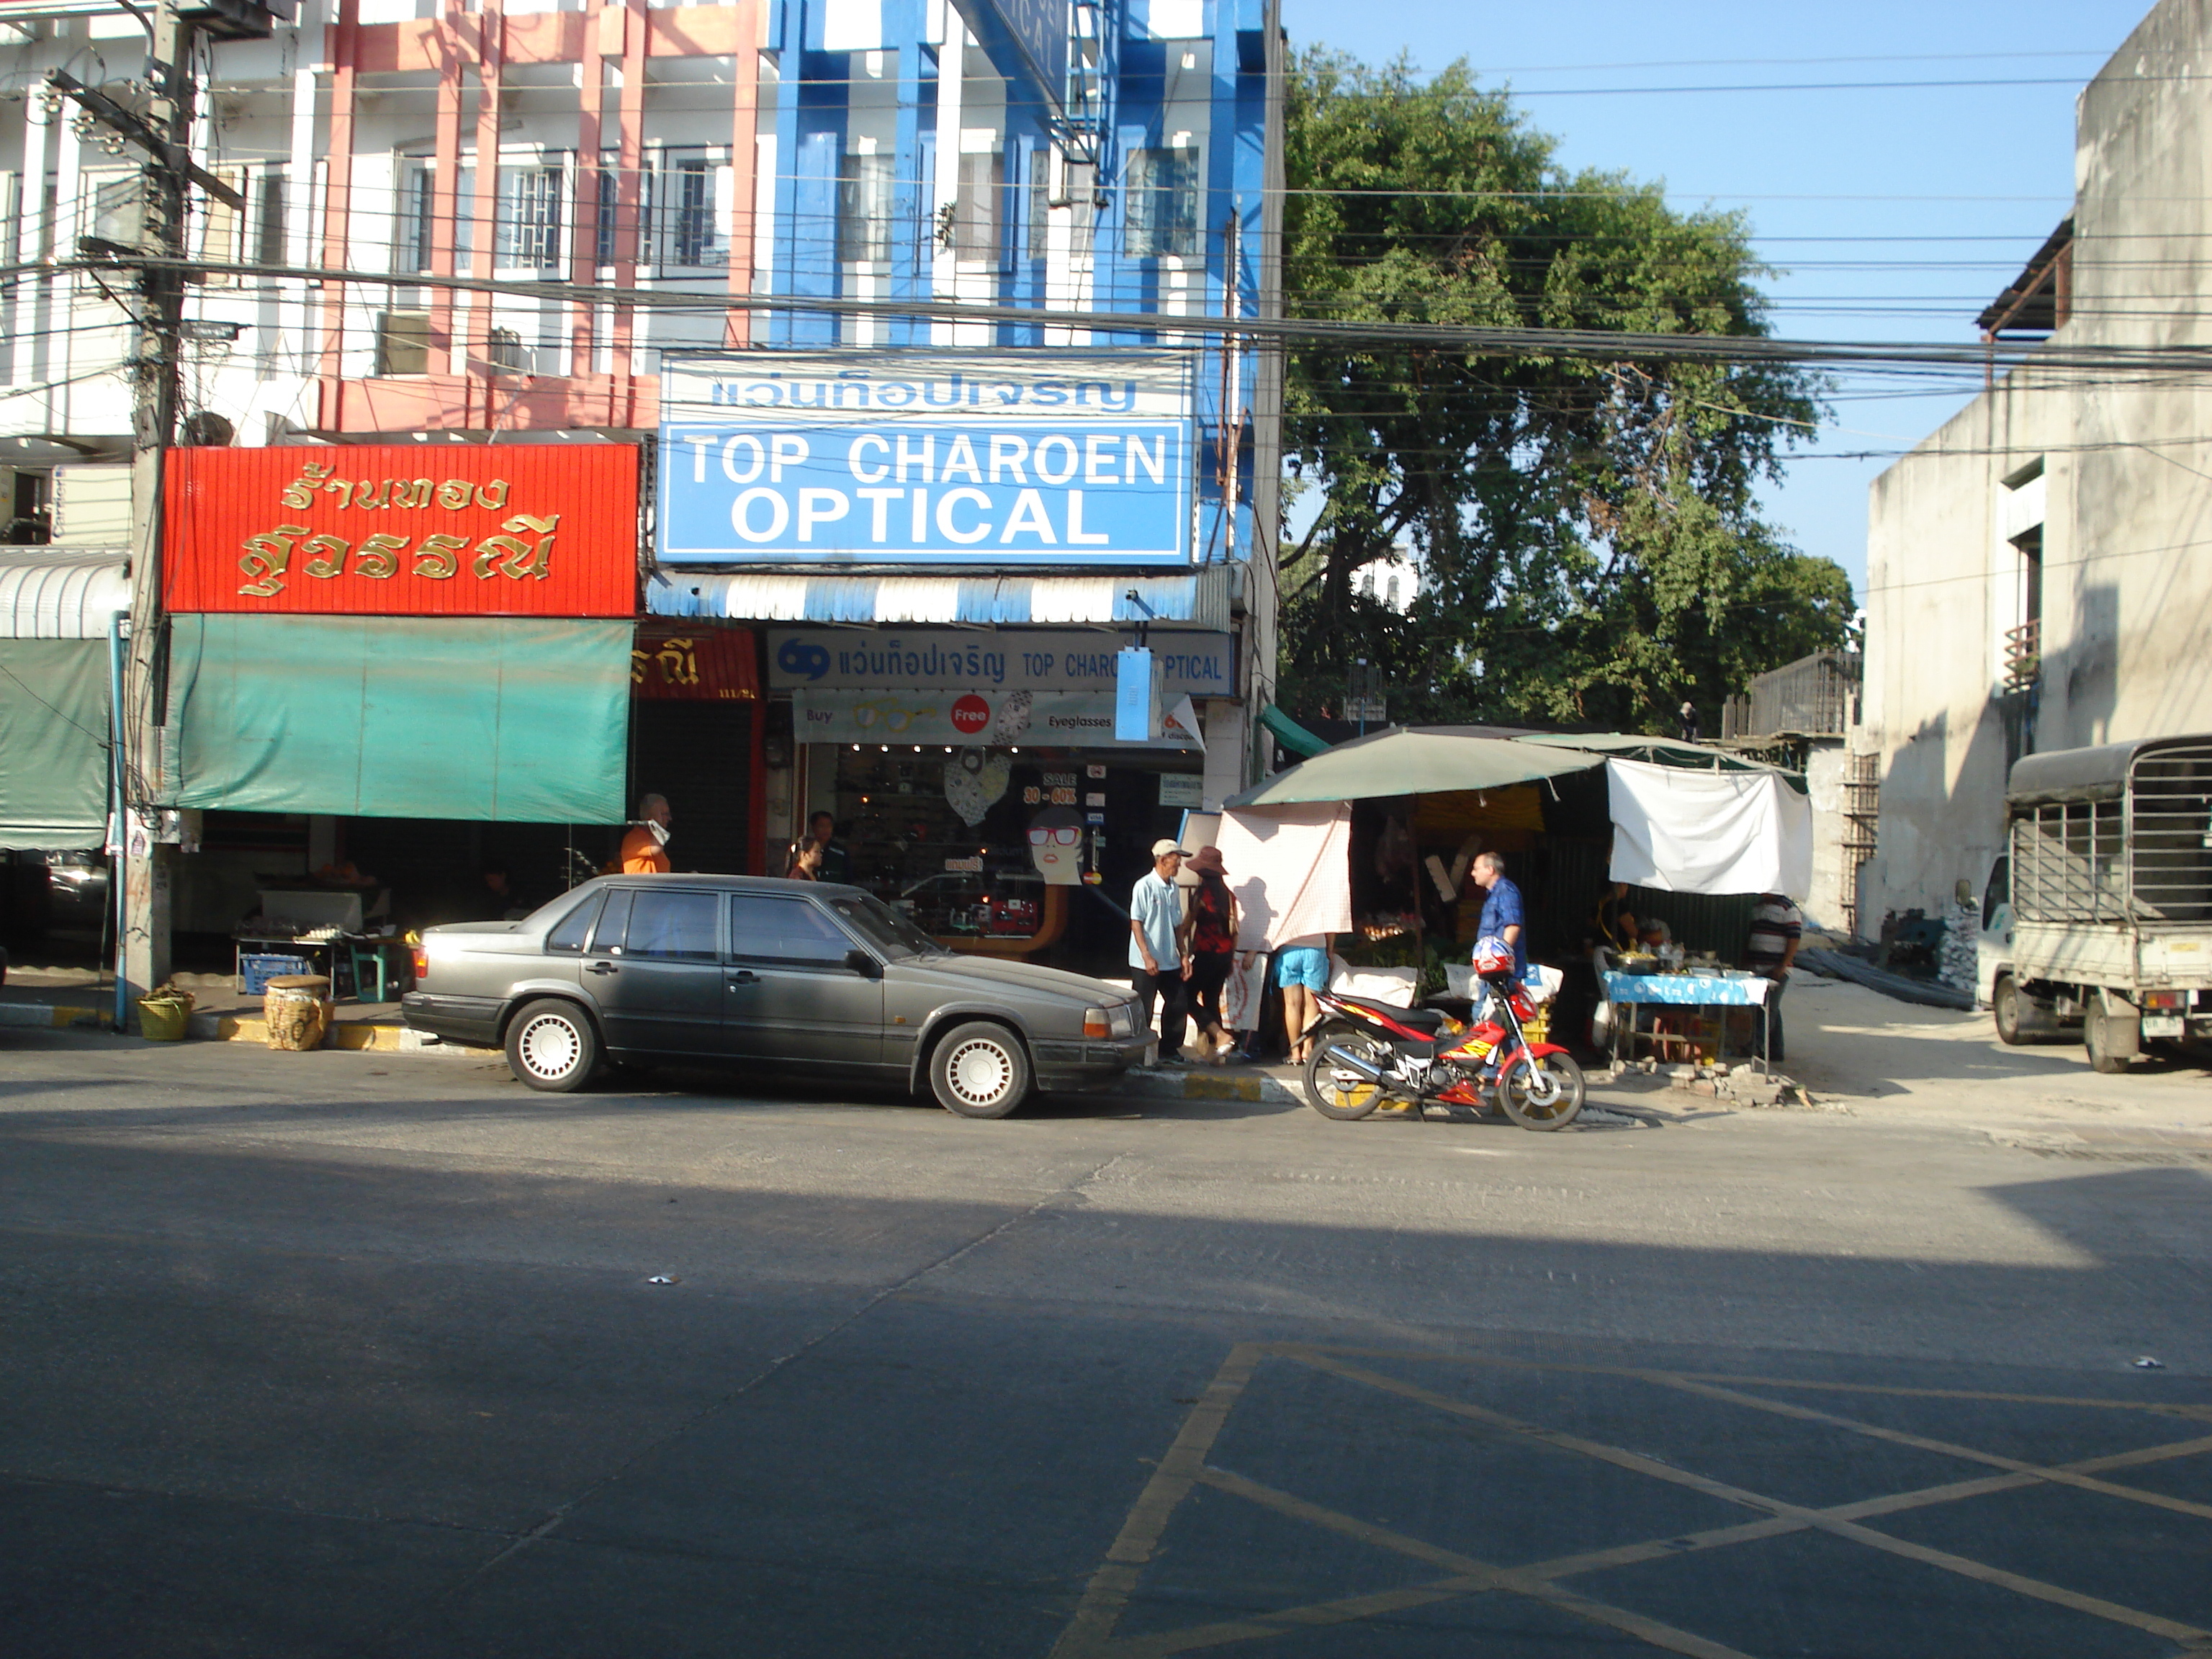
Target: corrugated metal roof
<point>1200,598</point>
<point>61,592</point>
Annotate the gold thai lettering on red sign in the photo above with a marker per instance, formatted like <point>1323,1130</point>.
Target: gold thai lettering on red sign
<point>523,552</point>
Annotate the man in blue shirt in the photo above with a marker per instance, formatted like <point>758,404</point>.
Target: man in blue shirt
<point>1157,963</point>
<point>1502,914</point>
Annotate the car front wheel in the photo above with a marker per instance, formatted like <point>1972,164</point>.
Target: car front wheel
<point>552,1045</point>
<point>980,1070</point>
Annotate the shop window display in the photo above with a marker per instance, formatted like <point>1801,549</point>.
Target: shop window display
<point>989,849</point>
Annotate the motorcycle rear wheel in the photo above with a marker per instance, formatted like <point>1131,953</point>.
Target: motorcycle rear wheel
<point>1337,1091</point>
<point>1543,1093</point>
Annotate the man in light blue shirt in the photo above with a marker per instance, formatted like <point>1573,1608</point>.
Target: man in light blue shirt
<point>1156,962</point>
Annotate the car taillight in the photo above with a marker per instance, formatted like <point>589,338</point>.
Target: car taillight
<point>1095,1026</point>
<point>421,957</point>
<point>2165,999</point>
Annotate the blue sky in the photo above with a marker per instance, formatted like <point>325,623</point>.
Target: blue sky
<point>1897,213</point>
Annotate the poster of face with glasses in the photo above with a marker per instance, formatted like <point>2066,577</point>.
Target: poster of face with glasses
<point>1056,846</point>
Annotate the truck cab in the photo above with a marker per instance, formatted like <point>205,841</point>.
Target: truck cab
<point>2101,910</point>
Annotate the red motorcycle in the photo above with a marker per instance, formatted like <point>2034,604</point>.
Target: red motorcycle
<point>1367,1053</point>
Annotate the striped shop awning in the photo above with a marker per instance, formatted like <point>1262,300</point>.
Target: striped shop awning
<point>1198,599</point>
<point>61,592</point>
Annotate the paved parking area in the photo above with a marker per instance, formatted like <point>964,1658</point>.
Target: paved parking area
<point>343,1354</point>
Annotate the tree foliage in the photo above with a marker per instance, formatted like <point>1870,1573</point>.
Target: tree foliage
<point>1588,530</point>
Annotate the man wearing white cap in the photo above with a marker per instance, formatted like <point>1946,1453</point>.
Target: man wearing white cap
<point>1156,962</point>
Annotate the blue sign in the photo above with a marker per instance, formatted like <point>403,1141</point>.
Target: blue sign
<point>1061,459</point>
<point>1035,30</point>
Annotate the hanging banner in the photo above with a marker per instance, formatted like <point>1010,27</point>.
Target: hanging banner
<point>403,530</point>
<point>1080,720</point>
<point>1063,458</point>
<point>1189,664</point>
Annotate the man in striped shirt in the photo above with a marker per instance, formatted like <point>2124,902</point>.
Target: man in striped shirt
<point>1777,926</point>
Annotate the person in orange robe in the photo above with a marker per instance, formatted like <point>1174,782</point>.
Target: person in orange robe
<point>645,849</point>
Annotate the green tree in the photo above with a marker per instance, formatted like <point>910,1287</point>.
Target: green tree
<point>1588,529</point>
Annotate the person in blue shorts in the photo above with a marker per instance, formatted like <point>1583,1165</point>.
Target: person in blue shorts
<point>1302,968</point>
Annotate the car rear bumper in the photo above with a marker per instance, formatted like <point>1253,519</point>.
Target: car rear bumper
<point>457,1019</point>
<point>1086,1064</point>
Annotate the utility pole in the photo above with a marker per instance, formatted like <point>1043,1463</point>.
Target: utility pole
<point>148,864</point>
<point>162,131</point>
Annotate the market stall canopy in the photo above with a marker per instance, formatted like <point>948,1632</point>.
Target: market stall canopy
<point>1414,759</point>
<point>1659,751</point>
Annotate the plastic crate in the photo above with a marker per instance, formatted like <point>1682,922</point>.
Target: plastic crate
<point>254,972</point>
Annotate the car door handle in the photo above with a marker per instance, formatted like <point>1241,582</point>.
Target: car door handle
<point>601,967</point>
<point>744,976</point>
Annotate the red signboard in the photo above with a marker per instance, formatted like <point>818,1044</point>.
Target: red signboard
<point>403,530</point>
<point>702,662</point>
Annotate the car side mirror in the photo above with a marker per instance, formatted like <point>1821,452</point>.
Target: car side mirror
<point>864,965</point>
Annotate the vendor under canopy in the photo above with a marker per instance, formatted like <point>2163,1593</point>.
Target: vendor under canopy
<point>1569,813</point>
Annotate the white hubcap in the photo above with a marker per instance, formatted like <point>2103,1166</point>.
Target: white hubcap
<point>981,1072</point>
<point>550,1047</point>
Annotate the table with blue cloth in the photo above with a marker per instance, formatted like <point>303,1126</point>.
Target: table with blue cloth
<point>1630,994</point>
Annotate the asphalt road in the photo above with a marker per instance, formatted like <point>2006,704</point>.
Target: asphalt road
<point>341,1354</point>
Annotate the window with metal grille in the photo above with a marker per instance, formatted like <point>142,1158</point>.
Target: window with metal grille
<point>1160,203</point>
<point>864,209</point>
<point>684,223</point>
<point>526,235</point>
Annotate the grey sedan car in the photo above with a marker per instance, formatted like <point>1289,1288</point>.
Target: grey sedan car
<point>787,975</point>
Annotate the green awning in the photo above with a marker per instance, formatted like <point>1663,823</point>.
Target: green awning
<point>1288,732</point>
<point>505,718</point>
<point>1412,760</point>
<point>53,743</point>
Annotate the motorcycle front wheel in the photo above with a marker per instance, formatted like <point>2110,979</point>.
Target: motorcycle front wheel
<point>1542,1093</point>
<point>1334,1090</point>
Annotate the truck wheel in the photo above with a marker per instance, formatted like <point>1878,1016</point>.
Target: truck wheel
<point>2097,1036</point>
<point>2004,1001</point>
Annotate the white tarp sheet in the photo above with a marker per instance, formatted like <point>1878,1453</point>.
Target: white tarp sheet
<point>1709,832</point>
<point>1291,870</point>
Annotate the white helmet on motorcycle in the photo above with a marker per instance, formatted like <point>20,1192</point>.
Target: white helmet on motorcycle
<point>1493,958</point>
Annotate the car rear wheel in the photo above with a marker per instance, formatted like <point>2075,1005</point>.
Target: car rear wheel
<point>552,1045</point>
<point>980,1070</point>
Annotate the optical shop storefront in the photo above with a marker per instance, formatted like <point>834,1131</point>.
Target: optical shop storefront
<point>948,551</point>
<point>988,803</point>
<point>400,675</point>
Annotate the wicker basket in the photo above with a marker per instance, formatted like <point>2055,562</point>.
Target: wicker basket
<point>297,1009</point>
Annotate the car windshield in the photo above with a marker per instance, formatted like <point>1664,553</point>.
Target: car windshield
<point>885,928</point>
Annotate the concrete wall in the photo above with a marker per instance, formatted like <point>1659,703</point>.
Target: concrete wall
<point>2123,501</point>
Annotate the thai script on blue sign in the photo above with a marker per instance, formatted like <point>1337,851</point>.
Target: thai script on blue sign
<point>1063,458</point>
<point>1198,665</point>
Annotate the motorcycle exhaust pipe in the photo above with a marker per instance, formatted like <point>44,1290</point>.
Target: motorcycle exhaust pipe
<point>1352,1062</point>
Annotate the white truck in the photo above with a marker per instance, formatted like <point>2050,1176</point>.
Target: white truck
<point>2099,915</point>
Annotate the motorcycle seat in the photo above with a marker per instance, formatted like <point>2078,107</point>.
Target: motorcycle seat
<point>1430,1020</point>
